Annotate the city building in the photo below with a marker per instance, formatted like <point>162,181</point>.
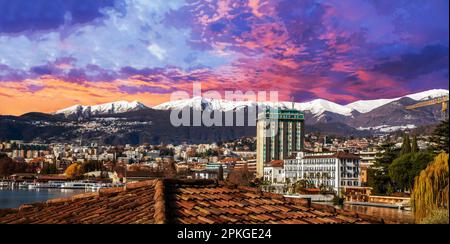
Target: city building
<point>367,160</point>
<point>280,133</point>
<point>250,165</point>
<point>334,170</point>
<point>274,172</point>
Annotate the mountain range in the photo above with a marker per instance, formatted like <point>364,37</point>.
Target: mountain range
<point>124,122</point>
<point>379,114</point>
<point>316,107</point>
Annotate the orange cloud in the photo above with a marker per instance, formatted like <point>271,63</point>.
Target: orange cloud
<point>58,94</point>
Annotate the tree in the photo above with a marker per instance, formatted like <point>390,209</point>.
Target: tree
<point>240,176</point>
<point>6,163</point>
<point>406,145</point>
<point>414,146</point>
<point>169,169</point>
<point>92,166</point>
<point>9,166</point>
<point>49,169</point>
<point>430,194</point>
<point>405,168</point>
<point>220,173</point>
<point>440,137</point>
<point>74,170</point>
<point>163,152</point>
<point>377,175</point>
<point>301,185</point>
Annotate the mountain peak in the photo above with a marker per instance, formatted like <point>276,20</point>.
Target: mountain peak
<point>364,106</point>
<point>429,94</point>
<point>104,108</point>
<point>316,106</point>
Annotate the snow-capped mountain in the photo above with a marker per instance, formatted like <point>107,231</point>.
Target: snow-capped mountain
<point>106,108</point>
<point>201,103</point>
<point>319,106</point>
<point>316,107</point>
<point>425,95</point>
<point>125,122</point>
<point>364,106</point>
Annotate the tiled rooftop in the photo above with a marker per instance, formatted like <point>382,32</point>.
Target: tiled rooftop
<point>276,163</point>
<point>218,204</point>
<point>136,204</point>
<point>179,202</point>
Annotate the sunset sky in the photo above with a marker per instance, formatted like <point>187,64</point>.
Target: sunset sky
<point>57,53</point>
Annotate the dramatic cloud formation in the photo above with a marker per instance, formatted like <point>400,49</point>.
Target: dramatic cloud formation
<point>55,53</point>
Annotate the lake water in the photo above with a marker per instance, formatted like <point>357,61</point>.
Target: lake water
<point>13,198</point>
<point>392,214</point>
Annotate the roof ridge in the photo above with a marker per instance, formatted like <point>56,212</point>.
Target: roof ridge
<point>160,204</point>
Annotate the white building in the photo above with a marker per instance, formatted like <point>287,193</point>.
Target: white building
<point>332,169</point>
<point>368,158</point>
<point>274,172</point>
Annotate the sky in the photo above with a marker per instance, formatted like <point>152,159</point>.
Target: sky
<point>57,53</point>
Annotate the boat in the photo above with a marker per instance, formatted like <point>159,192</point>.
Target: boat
<point>25,185</point>
<point>77,185</point>
<point>49,184</point>
<point>4,184</point>
<point>96,187</point>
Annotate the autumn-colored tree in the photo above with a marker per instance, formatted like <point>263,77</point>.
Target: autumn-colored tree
<point>240,176</point>
<point>134,167</point>
<point>120,169</point>
<point>74,170</point>
<point>9,166</point>
<point>430,194</point>
<point>6,163</point>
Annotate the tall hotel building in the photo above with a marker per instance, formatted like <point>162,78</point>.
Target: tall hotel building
<point>280,133</point>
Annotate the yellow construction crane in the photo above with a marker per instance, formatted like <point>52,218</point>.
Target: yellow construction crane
<point>438,100</point>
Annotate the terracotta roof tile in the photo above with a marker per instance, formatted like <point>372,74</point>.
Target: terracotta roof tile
<point>222,204</point>
<point>112,206</point>
<point>172,201</point>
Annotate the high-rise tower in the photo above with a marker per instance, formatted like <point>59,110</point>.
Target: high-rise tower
<point>280,133</point>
